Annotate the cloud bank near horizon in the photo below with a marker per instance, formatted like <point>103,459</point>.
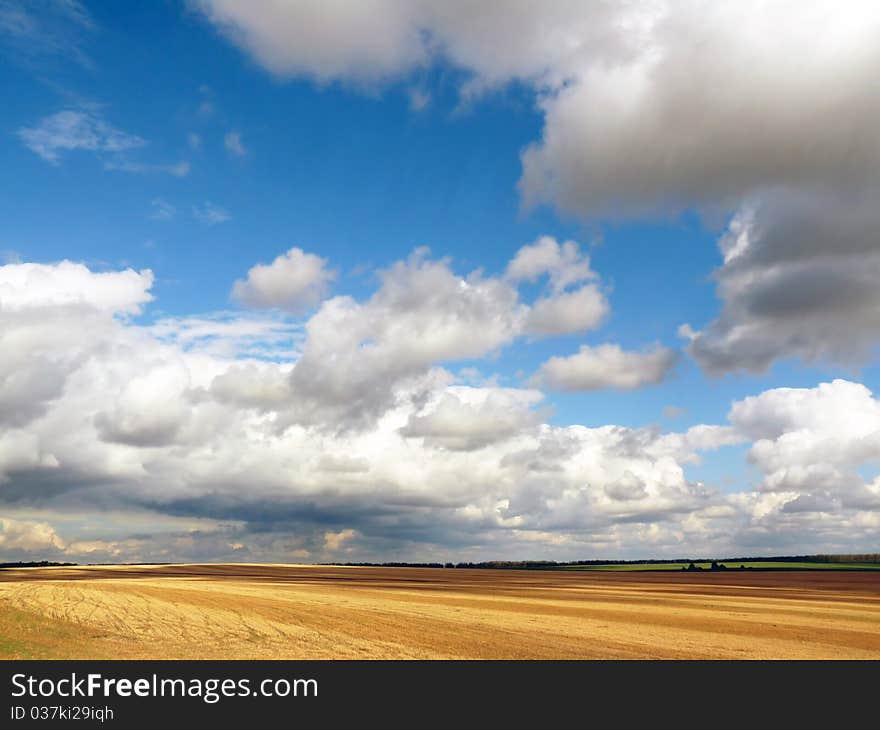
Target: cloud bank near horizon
<point>388,452</point>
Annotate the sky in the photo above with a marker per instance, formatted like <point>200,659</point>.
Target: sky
<point>412,281</point>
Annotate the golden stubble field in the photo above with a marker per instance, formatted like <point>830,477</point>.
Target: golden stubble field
<point>318,612</point>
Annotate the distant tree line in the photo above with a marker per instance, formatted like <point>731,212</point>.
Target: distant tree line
<point>839,558</point>
<point>550,564</point>
<point>854,558</point>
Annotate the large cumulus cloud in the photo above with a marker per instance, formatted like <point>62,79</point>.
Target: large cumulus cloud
<point>392,457</point>
<point>811,443</point>
<point>647,104</point>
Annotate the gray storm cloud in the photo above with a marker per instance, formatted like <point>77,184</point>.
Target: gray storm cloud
<point>798,279</point>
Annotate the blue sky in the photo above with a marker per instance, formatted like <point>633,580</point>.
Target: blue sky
<point>358,177</point>
<point>210,138</point>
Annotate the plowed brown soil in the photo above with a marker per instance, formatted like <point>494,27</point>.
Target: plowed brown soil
<point>316,612</point>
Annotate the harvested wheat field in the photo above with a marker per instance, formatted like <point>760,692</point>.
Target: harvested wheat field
<point>318,612</point>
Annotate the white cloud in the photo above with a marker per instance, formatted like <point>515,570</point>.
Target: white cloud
<point>562,311</point>
<point>76,130</point>
<point>835,424</point>
<point>45,312</point>
<point>607,366</point>
<point>86,130</point>
<point>363,41</point>
<point>563,264</point>
<point>234,145</point>
<point>423,314</point>
<point>210,214</point>
<point>337,540</point>
<point>518,40</point>
<point>294,282</point>
<point>577,311</point>
<point>26,286</point>
<point>28,536</point>
<point>194,141</point>
<point>812,446</point>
